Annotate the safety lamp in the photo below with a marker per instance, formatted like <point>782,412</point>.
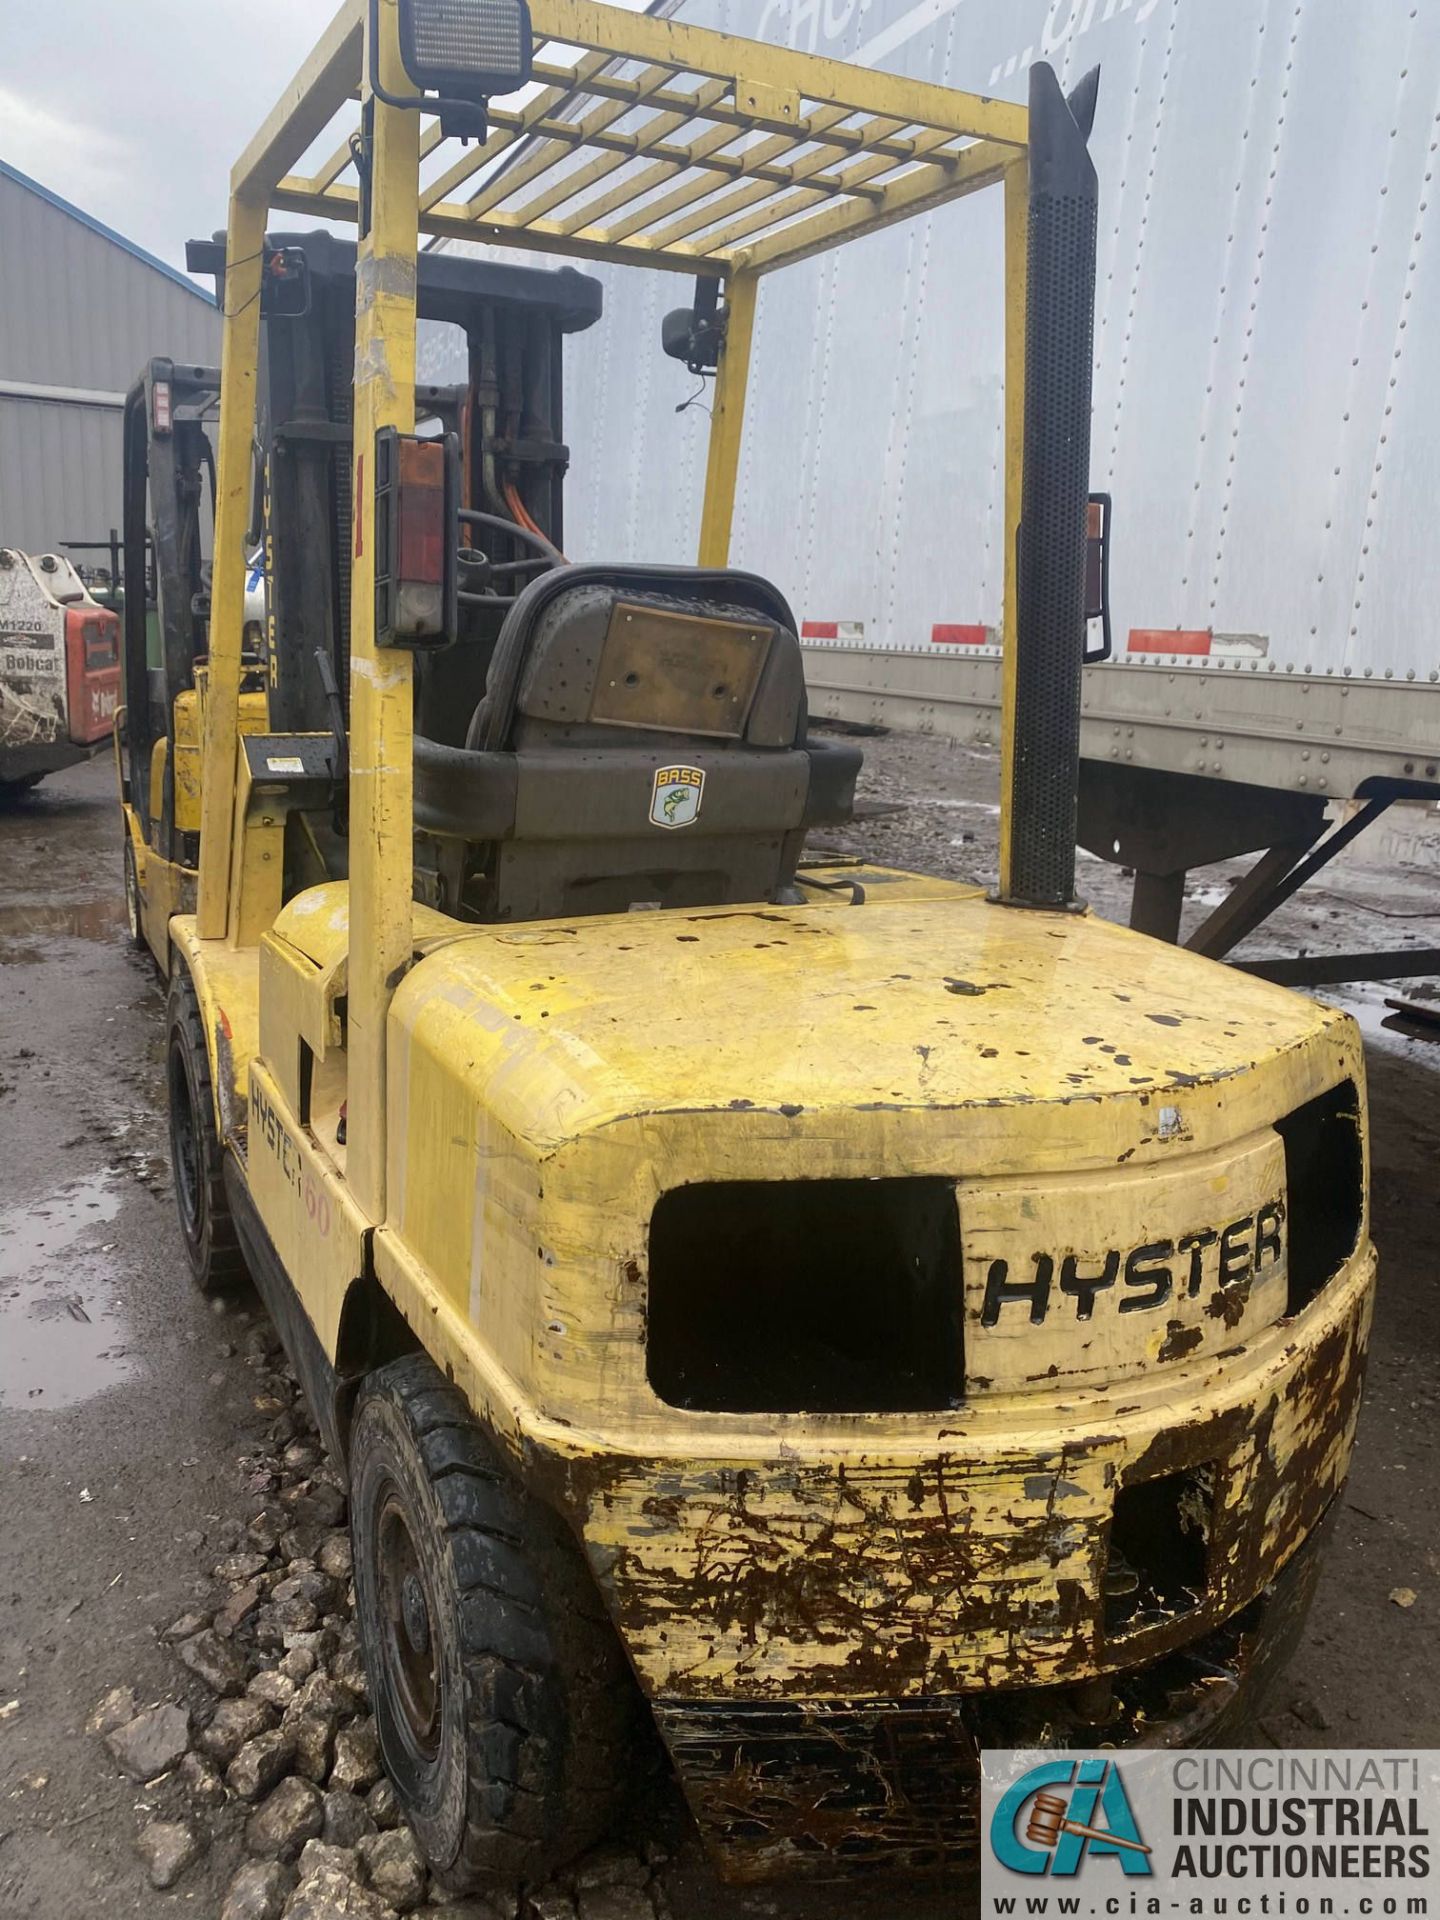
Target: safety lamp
<point>467,49</point>
<point>160,408</point>
<point>417,535</point>
<point>1097,574</point>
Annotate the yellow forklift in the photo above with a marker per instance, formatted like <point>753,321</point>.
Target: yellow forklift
<point>813,1320</point>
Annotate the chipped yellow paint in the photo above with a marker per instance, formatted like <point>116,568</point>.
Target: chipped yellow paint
<point>239,356</point>
<point>157,779</point>
<point>727,423</point>
<point>164,887</point>
<point>1086,1225</point>
<point>167,887</point>
<point>294,1175</point>
<point>971,1558</point>
<point>549,1082</point>
<point>381,720</point>
<point>521,1096</point>
<point>188,781</point>
<point>252,716</point>
<point>227,985</point>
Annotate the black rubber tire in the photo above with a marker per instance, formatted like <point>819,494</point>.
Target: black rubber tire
<point>522,1746</point>
<point>134,932</point>
<point>206,1225</point>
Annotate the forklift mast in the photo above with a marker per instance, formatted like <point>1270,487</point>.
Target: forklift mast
<point>168,464</point>
<point>508,417</point>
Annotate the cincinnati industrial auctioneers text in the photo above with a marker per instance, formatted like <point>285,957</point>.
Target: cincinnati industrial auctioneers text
<point>1300,1816</point>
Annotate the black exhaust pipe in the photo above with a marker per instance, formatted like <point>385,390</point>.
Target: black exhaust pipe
<point>1050,561</point>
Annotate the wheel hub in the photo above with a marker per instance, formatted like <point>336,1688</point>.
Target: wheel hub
<point>407,1627</point>
<point>415,1613</point>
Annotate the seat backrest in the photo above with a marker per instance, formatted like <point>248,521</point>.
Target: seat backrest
<point>667,649</point>
<point>642,740</point>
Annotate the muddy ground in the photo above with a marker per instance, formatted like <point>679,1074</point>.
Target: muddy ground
<point>132,1416</point>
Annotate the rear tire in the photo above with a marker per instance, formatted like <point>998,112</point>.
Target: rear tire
<point>509,1721</point>
<point>195,1153</point>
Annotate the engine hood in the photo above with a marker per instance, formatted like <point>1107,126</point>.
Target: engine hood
<point>1107,1110</point>
<point>925,997</point>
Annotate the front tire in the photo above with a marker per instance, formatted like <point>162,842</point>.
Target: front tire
<point>134,932</point>
<point>509,1721</point>
<point>216,1261</point>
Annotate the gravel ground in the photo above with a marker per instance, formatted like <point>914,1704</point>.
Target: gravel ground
<point>181,1698</point>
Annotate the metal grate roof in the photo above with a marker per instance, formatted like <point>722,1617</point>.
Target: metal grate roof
<point>649,141</point>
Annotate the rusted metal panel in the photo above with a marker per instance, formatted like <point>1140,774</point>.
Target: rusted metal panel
<point>826,1788</point>
<point>828,1785</point>
<point>983,1565</point>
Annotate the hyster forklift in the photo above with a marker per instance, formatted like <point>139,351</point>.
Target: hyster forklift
<point>811,1321</point>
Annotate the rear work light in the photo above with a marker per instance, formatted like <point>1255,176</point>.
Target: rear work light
<point>160,415</point>
<point>417,536</point>
<point>469,48</point>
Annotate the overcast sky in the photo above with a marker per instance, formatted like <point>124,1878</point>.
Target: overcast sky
<point>137,112</point>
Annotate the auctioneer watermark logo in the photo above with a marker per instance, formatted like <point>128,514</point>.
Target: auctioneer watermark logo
<point>1210,1835</point>
<point>1060,1801</point>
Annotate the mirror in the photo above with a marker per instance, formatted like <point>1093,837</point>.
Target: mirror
<point>285,286</point>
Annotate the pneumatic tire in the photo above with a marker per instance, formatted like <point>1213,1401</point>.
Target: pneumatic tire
<point>509,1721</point>
<point>134,932</point>
<point>216,1261</point>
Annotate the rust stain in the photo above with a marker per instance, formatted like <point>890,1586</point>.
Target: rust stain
<point>1180,1340</point>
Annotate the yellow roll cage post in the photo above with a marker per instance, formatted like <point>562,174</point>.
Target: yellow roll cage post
<point>661,145</point>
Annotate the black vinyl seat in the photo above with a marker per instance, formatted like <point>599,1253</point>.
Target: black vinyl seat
<point>642,740</point>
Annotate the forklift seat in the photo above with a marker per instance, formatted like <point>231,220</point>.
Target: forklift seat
<point>642,740</point>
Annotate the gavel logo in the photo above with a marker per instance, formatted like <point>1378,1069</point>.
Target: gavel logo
<point>1047,1822</point>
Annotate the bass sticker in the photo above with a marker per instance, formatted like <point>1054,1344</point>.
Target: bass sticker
<point>675,797</point>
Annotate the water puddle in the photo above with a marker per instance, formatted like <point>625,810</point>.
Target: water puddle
<point>1416,1039</point>
<point>61,1339</point>
<point>23,926</point>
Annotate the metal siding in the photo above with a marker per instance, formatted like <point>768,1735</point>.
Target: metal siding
<point>59,475</point>
<point>76,310</point>
<point>1265,273</point>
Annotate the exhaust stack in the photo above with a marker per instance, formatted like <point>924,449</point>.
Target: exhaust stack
<point>1042,759</point>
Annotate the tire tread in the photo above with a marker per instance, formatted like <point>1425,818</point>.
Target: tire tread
<point>222,1267</point>
<point>554,1721</point>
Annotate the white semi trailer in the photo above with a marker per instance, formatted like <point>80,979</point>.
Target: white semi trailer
<point>1267,420</point>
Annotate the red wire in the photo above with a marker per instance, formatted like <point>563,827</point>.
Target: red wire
<point>518,508</point>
